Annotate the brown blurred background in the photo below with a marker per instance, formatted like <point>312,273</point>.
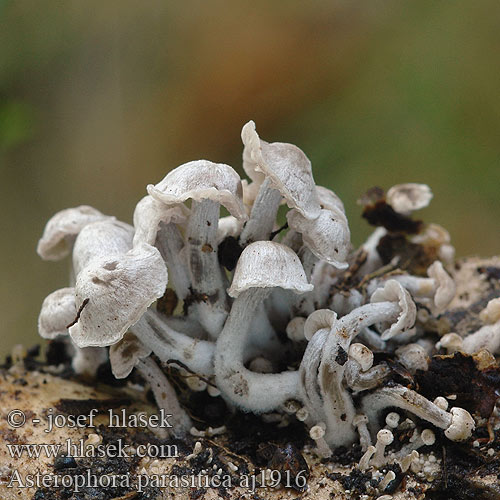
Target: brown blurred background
<point>98,99</point>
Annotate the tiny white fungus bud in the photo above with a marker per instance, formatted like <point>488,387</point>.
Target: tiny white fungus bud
<point>302,414</point>
<point>428,437</point>
<point>441,402</point>
<point>392,419</point>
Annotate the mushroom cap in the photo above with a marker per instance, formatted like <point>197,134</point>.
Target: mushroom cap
<point>413,357</point>
<point>491,313</point>
<point>58,311</point>
<point>487,337</point>
<point>148,215</point>
<point>462,425</point>
<point>446,287</point>
<point>62,229</point>
<point>385,437</point>
<point>202,180</point>
<point>328,236</point>
<point>102,239</point>
<point>266,264</point>
<point>124,355</point>
<point>395,292</point>
<point>406,198</point>
<point>287,167</point>
<point>317,320</point>
<point>361,354</point>
<point>428,437</point>
<point>295,329</point>
<point>119,290</point>
<point>328,199</point>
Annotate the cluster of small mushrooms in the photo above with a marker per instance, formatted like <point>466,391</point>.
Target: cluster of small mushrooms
<point>275,320</point>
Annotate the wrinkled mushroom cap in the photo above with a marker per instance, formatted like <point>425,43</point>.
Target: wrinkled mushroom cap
<point>124,355</point>
<point>462,425</point>
<point>202,180</point>
<point>318,320</point>
<point>148,215</point>
<point>328,236</point>
<point>361,354</point>
<point>413,357</point>
<point>328,199</point>
<point>58,311</point>
<point>491,313</point>
<point>119,290</point>
<point>287,167</point>
<point>265,264</point>
<point>395,292</point>
<point>445,285</point>
<point>101,240</point>
<point>62,229</point>
<point>406,198</point>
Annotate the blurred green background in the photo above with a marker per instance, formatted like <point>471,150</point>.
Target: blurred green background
<point>98,99</point>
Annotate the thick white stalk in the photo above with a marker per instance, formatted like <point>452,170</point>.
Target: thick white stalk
<point>250,391</point>
<point>170,244</point>
<point>165,395</point>
<point>169,344</point>
<point>263,215</point>
<point>208,281</point>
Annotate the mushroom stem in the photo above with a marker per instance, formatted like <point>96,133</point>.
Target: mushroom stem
<point>359,380</point>
<point>206,275</point>
<point>322,389</point>
<point>256,392</point>
<point>165,395</point>
<point>406,399</point>
<point>365,316</point>
<point>263,215</point>
<point>169,344</point>
<point>170,243</point>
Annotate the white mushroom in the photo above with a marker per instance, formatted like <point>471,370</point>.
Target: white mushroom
<point>384,438</point>
<point>462,425</point>
<point>62,229</point>
<point>295,329</point>
<point>327,236</point>
<point>170,345</point>
<point>361,354</point>
<point>451,342</point>
<point>125,354</point>
<point>86,361</point>
<point>262,266</point>
<point>360,422</point>
<point>317,433</point>
<point>113,293</point>
<point>208,185</point>
<point>131,353</point>
<point>487,337</point>
<point>323,364</point>
<point>157,224</point>
<point>165,396</point>
<point>393,291</point>
<point>458,424</point>
<point>406,198</point>
<point>148,215</point>
<point>491,313</point>
<point>58,311</point>
<point>413,357</point>
<point>103,239</point>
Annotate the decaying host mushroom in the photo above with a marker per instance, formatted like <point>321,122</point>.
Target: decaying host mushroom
<point>279,320</point>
